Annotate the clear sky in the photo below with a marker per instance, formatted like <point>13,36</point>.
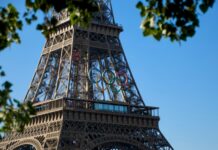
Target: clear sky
<point>180,79</point>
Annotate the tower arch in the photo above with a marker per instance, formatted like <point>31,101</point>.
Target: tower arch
<point>116,143</point>
<point>25,147</point>
<point>30,144</point>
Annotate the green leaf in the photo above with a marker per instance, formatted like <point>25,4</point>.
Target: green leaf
<point>139,5</point>
<point>7,85</point>
<point>203,8</point>
<point>158,36</point>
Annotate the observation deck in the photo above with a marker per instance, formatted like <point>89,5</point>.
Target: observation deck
<point>94,105</point>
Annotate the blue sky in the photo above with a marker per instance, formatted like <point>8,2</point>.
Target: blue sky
<point>180,79</point>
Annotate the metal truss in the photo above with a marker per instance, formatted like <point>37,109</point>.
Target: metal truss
<point>105,15</point>
<point>84,64</point>
<point>85,95</point>
<point>26,147</point>
<point>72,129</point>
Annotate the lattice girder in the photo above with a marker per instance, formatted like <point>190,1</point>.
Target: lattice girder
<point>84,65</point>
<point>72,128</point>
<point>85,95</point>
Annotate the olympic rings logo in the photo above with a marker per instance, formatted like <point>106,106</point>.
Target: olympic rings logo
<point>115,80</point>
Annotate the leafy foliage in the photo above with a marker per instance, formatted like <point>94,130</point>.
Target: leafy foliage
<point>13,114</point>
<point>80,11</point>
<point>9,24</point>
<point>174,19</point>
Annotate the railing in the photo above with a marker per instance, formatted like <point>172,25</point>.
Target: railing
<point>94,105</point>
<point>49,104</point>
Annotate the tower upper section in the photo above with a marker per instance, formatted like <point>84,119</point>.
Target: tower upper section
<point>87,65</point>
<point>103,16</point>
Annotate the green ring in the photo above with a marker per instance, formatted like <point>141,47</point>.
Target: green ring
<point>111,81</point>
<point>115,90</point>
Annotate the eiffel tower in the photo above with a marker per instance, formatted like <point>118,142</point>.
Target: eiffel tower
<point>85,94</point>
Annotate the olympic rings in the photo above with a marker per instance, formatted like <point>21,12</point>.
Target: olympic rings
<point>96,74</point>
<point>122,76</point>
<point>116,81</point>
<point>110,75</point>
<point>115,89</point>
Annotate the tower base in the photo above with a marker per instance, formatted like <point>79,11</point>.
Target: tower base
<point>65,125</point>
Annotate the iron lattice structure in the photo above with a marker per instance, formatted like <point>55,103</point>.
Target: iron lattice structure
<point>85,94</point>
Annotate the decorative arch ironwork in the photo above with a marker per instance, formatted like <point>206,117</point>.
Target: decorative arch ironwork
<point>116,146</point>
<point>25,147</point>
<point>30,144</point>
<point>116,143</point>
